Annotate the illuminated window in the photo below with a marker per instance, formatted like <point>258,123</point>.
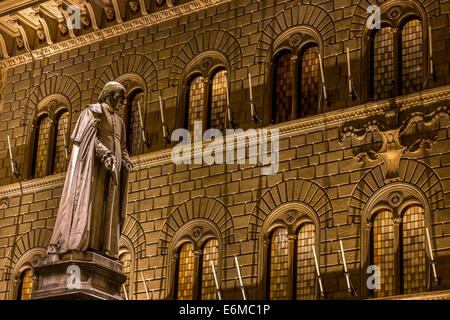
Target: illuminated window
<point>60,162</point>
<point>309,86</point>
<point>185,272</point>
<point>278,265</point>
<point>41,148</point>
<point>195,101</point>
<point>383,63</point>
<point>132,122</point>
<point>383,252</point>
<point>218,100</point>
<point>413,250</point>
<point>305,262</point>
<point>284,77</point>
<point>26,285</point>
<point>411,56</point>
<point>210,253</point>
<point>125,258</point>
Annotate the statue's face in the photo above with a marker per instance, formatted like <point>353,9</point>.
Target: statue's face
<point>133,5</point>
<point>85,20</point>
<point>109,11</point>
<point>19,42</point>
<point>40,33</point>
<point>118,99</point>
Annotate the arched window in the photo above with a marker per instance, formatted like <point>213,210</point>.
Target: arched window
<point>59,154</point>
<point>411,56</point>
<point>132,122</point>
<point>383,63</point>
<point>210,253</point>
<point>284,87</point>
<point>185,272</point>
<point>26,284</point>
<point>413,250</point>
<point>41,147</point>
<point>125,258</point>
<point>195,101</point>
<point>382,253</point>
<point>218,103</point>
<point>309,85</point>
<point>306,277</point>
<point>278,268</point>
<point>210,91</point>
<point>397,59</point>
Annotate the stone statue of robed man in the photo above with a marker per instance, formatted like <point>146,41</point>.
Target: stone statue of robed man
<point>94,198</point>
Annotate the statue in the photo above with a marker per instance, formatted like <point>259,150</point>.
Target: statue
<point>94,198</point>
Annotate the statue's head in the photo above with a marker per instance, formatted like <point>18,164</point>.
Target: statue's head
<point>113,93</point>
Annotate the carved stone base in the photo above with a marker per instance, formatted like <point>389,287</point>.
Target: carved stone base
<point>100,278</point>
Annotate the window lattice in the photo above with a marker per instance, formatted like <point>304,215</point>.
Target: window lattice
<point>383,63</point>
<point>278,267</point>
<point>383,252</point>
<point>413,250</point>
<point>411,55</point>
<point>218,100</point>
<point>133,124</point>
<point>284,76</point>
<point>60,163</point>
<point>26,285</point>
<point>208,285</point>
<point>185,272</point>
<point>41,153</point>
<point>309,97</point>
<point>195,109</point>
<point>305,262</point>
<point>125,258</point>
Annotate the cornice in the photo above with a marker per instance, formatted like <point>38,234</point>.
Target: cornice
<point>113,31</point>
<point>327,120</point>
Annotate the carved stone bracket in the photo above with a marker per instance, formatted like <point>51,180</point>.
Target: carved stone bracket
<point>391,132</point>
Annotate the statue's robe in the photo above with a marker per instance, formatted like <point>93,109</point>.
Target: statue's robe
<point>93,207</point>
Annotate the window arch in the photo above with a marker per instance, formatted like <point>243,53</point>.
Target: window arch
<point>397,58</point>
<point>196,92</point>
<point>49,143</point>
<point>305,268</point>
<point>296,84</point>
<point>210,252</point>
<point>278,264</point>
<point>130,116</point>
<point>185,272</point>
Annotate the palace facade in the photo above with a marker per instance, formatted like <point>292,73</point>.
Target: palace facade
<point>358,90</point>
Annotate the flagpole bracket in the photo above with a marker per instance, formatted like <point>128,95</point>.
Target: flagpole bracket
<point>255,117</point>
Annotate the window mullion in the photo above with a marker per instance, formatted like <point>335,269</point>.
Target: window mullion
<point>197,277</point>
<point>397,256</point>
<point>291,266</point>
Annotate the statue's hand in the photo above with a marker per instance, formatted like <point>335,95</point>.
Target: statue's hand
<point>109,162</point>
<point>128,165</point>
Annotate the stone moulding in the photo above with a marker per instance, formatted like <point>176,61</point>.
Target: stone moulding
<point>116,30</point>
<point>320,121</point>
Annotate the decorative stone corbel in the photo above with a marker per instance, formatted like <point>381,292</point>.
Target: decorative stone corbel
<point>22,32</point>
<point>117,11</point>
<point>44,25</point>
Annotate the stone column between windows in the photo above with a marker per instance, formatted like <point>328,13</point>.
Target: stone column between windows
<point>397,256</point>
<point>197,277</point>
<point>295,87</point>
<point>206,106</point>
<point>291,264</point>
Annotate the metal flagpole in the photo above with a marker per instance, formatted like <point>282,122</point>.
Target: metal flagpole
<point>319,277</point>
<point>163,122</point>
<point>433,264</point>
<point>255,117</point>
<point>219,292</point>
<point>230,122</point>
<point>350,288</point>
<point>141,124</point>
<point>145,286</point>
<point>324,87</point>
<point>125,291</point>
<point>66,148</point>
<point>243,289</point>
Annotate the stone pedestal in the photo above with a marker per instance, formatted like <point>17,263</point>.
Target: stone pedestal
<point>100,278</point>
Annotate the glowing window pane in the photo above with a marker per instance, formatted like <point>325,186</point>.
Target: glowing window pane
<point>413,250</point>
<point>411,53</point>
<point>185,272</point>
<point>218,100</point>
<point>26,285</point>
<point>195,101</point>
<point>305,262</point>
<point>278,265</point>
<point>132,123</point>
<point>309,86</point>
<point>383,252</point>
<point>383,63</point>
<point>284,76</point>
<point>125,258</point>
<point>60,163</point>
<point>41,151</point>
<point>210,253</point>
